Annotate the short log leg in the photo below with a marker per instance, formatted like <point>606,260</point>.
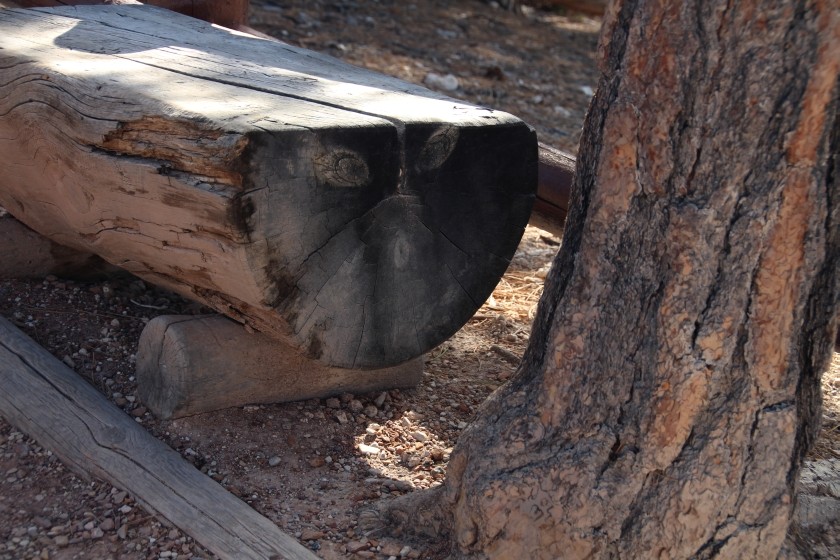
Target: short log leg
<point>187,365</point>
<point>28,254</point>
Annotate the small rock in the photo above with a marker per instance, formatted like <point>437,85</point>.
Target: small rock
<point>356,405</point>
<point>390,549</point>
<point>118,497</point>
<point>341,416</point>
<point>446,82</point>
<point>371,411</point>
<point>419,436</point>
<point>115,323</point>
<point>356,546</point>
<point>311,535</point>
<point>139,412</point>
<point>437,454</point>
<point>317,462</point>
<point>333,403</point>
<point>369,449</point>
<point>107,525</point>
<point>97,533</point>
<point>406,550</point>
<point>125,509</point>
<point>61,540</point>
<point>345,397</point>
<point>274,461</point>
<point>68,361</point>
<point>587,91</point>
<point>122,532</point>
<point>562,111</point>
<point>380,400</point>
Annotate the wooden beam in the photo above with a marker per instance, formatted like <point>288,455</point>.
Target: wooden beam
<point>554,186</point>
<point>45,399</point>
<point>351,215</point>
<point>187,365</point>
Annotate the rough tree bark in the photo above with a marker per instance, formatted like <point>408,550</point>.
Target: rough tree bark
<point>671,386</point>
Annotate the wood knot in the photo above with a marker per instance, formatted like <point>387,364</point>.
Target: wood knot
<point>437,148</point>
<point>342,169</point>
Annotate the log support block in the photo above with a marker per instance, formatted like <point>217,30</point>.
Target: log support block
<point>27,254</point>
<point>187,365</point>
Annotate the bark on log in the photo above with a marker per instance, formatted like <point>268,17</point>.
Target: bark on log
<point>45,399</point>
<point>554,185</point>
<point>352,215</point>
<point>187,365</point>
<point>671,387</point>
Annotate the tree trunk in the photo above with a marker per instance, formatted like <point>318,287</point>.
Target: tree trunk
<point>671,386</point>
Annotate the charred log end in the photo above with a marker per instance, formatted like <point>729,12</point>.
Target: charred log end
<point>392,242</point>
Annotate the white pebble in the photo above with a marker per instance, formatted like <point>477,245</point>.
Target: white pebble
<point>437,81</point>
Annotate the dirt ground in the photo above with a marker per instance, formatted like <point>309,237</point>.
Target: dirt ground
<point>309,466</point>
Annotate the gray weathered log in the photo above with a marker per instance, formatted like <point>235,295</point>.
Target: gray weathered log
<point>187,365</point>
<point>352,215</point>
<point>45,399</point>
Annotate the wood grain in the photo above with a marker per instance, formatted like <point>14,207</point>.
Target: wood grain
<point>356,217</point>
<point>191,364</point>
<point>48,401</point>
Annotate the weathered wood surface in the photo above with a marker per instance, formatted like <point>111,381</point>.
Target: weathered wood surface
<point>352,215</point>
<point>188,364</point>
<point>44,398</point>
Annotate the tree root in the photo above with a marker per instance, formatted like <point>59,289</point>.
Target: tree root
<point>420,514</point>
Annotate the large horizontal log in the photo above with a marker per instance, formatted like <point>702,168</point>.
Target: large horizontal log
<point>349,214</point>
<point>45,399</point>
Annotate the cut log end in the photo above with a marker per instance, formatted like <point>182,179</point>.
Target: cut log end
<point>387,268</point>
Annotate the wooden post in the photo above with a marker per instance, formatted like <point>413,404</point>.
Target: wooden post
<point>187,365</point>
<point>356,217</point>
<point>554,186</point>
<point>45,399</point>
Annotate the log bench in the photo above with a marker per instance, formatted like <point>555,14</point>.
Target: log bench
<point>353,217</point>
